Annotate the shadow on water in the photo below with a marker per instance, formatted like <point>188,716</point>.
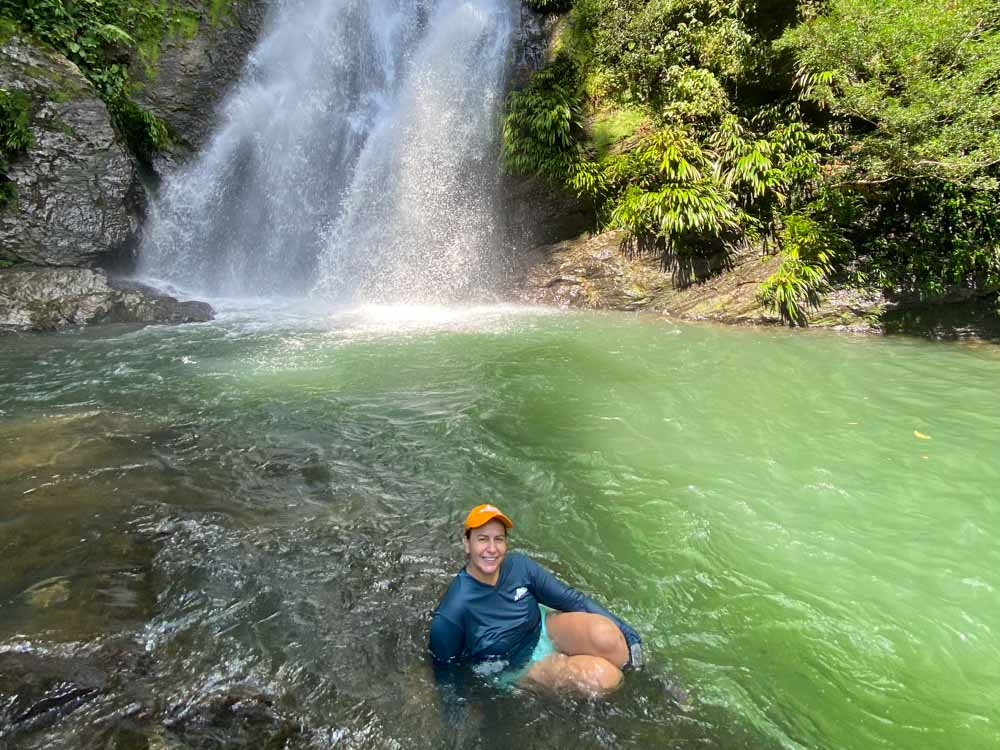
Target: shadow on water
<point>145,612</point>
<point>973,319</point>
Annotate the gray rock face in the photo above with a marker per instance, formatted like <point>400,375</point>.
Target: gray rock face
<point>49,299</point>
<point>78,194</point>
<point>540,214</point>
<point>194,70</point>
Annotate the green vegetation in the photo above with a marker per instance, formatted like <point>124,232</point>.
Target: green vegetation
<point>101,36</point>
<point>859,138</point>
<point>810,250</point>
<point>609,128</point>
<point>15,138</point>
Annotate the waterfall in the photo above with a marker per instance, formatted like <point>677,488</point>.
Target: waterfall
<point>356,159</point>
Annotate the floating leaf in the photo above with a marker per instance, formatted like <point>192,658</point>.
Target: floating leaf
<point>921,435</point>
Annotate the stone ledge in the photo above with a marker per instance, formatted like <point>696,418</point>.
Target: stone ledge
<point>592,272</point>
<point>53,299</point>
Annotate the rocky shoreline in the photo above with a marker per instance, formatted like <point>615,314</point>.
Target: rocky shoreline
<point>53,299</point>
<point>592,272</point>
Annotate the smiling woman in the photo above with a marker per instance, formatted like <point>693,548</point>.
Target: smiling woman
<point>498,609</point>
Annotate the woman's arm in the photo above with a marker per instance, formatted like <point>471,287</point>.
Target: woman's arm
<point>446,642</point>
<point>553,593</point>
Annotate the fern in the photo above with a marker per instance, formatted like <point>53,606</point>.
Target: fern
<point>543,128</point>
<point>811,250</point>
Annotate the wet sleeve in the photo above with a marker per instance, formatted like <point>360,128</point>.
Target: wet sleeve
<point>446,647</point>
<point>553,593</point>
<point>446,640</point>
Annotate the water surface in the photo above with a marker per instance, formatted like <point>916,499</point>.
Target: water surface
<point>233,534</point>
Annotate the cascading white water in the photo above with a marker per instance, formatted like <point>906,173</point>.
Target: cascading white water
<point>356,159</point>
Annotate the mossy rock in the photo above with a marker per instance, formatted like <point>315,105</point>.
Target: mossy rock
<point>180,77</point>
<point>78,195</point>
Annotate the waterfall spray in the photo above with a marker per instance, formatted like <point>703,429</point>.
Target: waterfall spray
<point>356,159</point>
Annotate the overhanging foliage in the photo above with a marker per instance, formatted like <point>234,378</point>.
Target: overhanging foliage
<point>847,134</point>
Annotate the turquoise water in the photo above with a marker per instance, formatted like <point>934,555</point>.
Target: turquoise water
<point>242,527</point>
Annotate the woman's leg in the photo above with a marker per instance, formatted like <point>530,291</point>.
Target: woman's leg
<point>583,633</point>
<point>588,675</point>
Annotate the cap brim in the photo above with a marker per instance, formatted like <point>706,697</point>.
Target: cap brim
<point>486,518</point>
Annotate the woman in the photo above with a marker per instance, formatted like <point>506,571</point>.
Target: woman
<point>491,613</point>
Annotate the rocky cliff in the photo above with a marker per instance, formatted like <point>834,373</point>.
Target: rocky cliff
<point>78,196</point>
<point>79,202</point>
<point>195,64</point>
<point>535,212</point>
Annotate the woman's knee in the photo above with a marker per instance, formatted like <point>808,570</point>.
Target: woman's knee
<point>608,640</point>
<point>576,633</point>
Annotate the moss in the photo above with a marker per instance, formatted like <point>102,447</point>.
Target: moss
<point>149,56</point>
<point>59,96</point>
<point>571,39</point>
<point>7,29</point>
<point>609,127</point>
<point>8,199</point>
<point>65,128</point>
<point>67,86</point>
<point>219,10</point>
<point>561,38</point>
<point>184,24</point>
<point>151,33</point>
<point>33,71</point>
<point>179,23</point>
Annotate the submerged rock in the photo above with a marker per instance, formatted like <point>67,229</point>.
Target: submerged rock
<point>37,690</point>
<point>50,299</point>
<point>41,685</point>
<point>79,199</point>
<point>49,593</point>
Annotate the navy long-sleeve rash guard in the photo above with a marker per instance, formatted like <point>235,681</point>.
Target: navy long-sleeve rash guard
<point>477,622</point>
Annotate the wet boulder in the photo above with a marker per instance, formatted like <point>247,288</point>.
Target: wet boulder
<point>49,299</point>
<point>138,303</point>
<point>79,200</point>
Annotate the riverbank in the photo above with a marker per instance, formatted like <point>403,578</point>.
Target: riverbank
<point>592,272</point>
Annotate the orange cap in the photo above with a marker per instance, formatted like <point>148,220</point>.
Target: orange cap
<point>484,514</point>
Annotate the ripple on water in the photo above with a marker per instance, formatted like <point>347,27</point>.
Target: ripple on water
<point>242,535</point>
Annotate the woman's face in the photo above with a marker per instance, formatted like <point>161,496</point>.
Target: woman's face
<point>485,548</point>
